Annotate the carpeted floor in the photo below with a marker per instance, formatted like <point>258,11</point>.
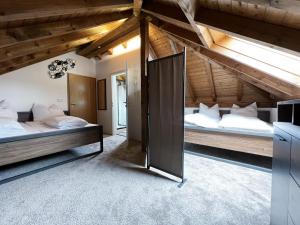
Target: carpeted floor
<point>114,188</point>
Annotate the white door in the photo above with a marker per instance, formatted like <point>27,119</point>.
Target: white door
<point>122,104</point>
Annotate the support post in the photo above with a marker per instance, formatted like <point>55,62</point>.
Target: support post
<point>144,32</point>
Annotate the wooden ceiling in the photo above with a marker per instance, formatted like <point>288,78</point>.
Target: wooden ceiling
<point>32,31</point>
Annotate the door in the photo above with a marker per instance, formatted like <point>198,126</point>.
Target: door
<point>82,97</point>
<point>166,78</point>
<point>122,104</point>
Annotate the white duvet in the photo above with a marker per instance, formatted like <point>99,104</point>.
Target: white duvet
<point>201,120</point>
<point>238,122</point>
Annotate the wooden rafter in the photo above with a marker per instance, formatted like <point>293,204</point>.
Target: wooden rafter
<point>17,10</point>
<point>116,42</point>
<point>286,89</point>
<point>280,37</point>
<point>30,47</point>
<point>188,7</point>
<point>290,5</point>
<point>37,32</point>
<point>38,56</point>
<point>240,90</point>
<point>211,80</point>
<point>137,6</point>
<point>152,52</point>
<point>91,50</point>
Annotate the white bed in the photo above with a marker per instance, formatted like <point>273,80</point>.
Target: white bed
<point>233,132</point>
<point>30,128</point>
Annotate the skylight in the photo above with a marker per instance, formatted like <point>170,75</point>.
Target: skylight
<point>277,63</point>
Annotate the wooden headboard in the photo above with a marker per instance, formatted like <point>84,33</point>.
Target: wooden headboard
<point>28,116</point>
<point>261,114</point>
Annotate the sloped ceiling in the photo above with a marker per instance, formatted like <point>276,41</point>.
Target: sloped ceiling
<point>31,32</point>
<point>199,89</point>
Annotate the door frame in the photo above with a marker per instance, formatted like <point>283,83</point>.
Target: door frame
<point>68,92</point>
<point>114,106</point>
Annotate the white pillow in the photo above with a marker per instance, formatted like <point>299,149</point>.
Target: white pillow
<point>212,112</point>
<point>7,112</point>
<point>250,110</point>
<point>65,122</point>
<point>8,124</point>
<point>42,112</point>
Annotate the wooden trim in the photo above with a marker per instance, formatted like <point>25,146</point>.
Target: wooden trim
<point>242,143</point>
<point>16,149</point>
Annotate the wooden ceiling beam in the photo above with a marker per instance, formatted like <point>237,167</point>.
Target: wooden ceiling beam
<point>30,33</point>
<point>184,33</point>
<point>290,5</point>
<point>152,52</point>
<point>90,50</point>
<point>279,86</point>
<point>271,35</point>
<point>137,6</point>
<point>188,7</point>
<point>19,10</point>
<point>276,36</point>
<point>20,62</point>
<point>211,80</point>
<point>21,49</point>
<point>240,90</point>
<point>116,42</point>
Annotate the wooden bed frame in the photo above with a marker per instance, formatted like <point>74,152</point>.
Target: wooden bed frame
<point>20,148</point>
<point>247,143</point>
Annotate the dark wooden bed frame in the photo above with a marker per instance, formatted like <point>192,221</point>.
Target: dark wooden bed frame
<point>234,141</point>
<point>20,148</point>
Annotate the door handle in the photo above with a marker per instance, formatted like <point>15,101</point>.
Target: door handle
<point>73,104</point>
<point>280,138</point>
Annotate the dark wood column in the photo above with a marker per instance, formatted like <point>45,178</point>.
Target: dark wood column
<point>144,30</point>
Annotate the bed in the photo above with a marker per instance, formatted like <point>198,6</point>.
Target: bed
<point>40,140</point>
<point>248,141</point>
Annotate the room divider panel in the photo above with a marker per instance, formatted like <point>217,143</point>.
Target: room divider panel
<point>166,77</point>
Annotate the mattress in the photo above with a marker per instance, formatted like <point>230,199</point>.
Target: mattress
<point>30,128</point>
<point>230,131</point>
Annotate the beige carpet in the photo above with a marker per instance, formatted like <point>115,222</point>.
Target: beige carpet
<point>114,188</point>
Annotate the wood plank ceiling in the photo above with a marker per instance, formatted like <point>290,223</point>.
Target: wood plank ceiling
<point>33,31</point>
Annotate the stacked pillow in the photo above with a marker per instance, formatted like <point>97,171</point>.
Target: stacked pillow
<point>54,116</point>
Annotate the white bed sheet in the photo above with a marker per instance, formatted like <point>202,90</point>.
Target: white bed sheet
<point>29,128</point>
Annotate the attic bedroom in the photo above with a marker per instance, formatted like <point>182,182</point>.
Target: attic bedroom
<point>150,112</point>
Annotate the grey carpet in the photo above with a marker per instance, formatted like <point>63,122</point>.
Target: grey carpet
<point>113,188</point>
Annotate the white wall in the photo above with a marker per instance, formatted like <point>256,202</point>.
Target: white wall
<point>32,84</point>
<point>107,68</point>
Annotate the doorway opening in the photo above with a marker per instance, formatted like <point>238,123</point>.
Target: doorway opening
<point>119,97</point>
